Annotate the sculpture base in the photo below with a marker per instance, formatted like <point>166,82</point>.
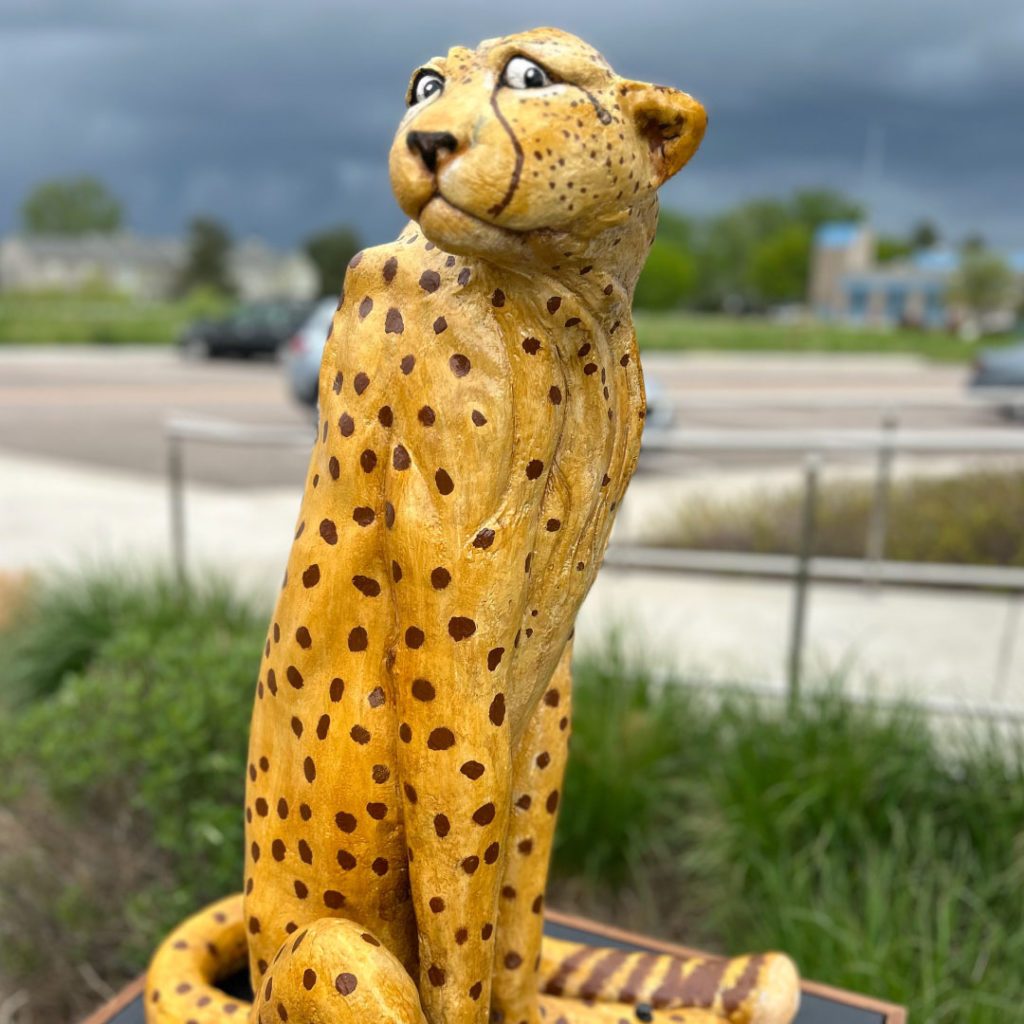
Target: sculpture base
<point>820,1004</point>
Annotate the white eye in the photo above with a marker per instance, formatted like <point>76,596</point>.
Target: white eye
<point>427,84</point>
<point>522,73</point>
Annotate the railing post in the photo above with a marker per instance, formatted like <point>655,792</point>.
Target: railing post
<point>878,524</point>
<point>798,622</point>
<point>176,493</point>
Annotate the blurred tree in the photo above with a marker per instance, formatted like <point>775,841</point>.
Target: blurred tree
<point>209,249</point>
<point>814,207</point>
<point>985,282</point>
<point>924,235</point>
<point>71,206</point>
<point>974,242</point>
<point>780,265</point>
<point>668,277</point>
<point>331,250</point>
<point>889,247</point>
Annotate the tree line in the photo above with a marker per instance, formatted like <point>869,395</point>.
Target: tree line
<point>751,257</point>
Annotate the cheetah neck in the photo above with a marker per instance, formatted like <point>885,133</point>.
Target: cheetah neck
<point>600,269</point>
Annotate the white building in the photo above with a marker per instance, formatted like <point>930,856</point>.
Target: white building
<point>145,268</point>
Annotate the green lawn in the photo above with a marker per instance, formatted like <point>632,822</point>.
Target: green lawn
<point>103,319</point>
<point>42,319</point>
<point>716,332</point>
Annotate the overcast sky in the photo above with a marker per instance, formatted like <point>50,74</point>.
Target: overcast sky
<point>277,115</point>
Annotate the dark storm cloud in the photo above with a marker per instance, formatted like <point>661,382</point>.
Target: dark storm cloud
<point>278,116</point>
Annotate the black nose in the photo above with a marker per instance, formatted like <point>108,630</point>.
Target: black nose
<point>429,144</point>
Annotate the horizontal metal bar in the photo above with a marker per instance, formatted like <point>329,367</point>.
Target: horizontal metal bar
<point>225,432</point>
<point>821,570</point>
<point>685,441</point>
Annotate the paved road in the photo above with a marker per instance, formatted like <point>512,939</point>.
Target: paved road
<point>106,407</point>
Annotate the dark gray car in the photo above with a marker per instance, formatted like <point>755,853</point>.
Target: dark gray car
<point>1000,372</point>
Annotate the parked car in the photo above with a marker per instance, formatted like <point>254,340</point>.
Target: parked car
<point>304,353</point>
<point>252,329</point>
<point>305,350</point>
<point>1002,370</point>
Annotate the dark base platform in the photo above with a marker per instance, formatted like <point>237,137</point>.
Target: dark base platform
<point>820,1004</point>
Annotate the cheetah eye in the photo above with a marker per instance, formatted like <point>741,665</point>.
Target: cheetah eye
<point>428,83</point>
<point>521,73</point>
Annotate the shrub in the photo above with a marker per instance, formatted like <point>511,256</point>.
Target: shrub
<point>972,518</point>
<point>667,279</point>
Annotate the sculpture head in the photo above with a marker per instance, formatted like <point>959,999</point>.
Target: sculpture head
<point>533,133</point>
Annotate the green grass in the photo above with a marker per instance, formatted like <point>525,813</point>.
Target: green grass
<point>969,519</point>
<point>97,318</point>
<point>684,332</point>
<point>882,854</point>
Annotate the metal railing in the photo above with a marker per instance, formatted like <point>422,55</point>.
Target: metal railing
<point>803,568</point>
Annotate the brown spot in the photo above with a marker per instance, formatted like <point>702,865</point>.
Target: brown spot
<point>553,303</point>
<point>363,516</point>
<point>513,960</point>
<point>294,677</point>
<point>464,275</point>
<point>346,425</point>
<point>311,577</point>
<point>534,468</point>
<point>393,323</point>
<point>346,822</point>
<point>572,321</point>
<point>380,866</point>
<point>390,269</point>
<point>345,859</point>
<point>365,585</point>
<point>440,578</point>
<point>525,846</point>
<point>475,990</point>
<point>305,853</point>
<point>357,640</point>
<point>277,849</point>
<point>552,525</point>
<point>498,298</point>
<point>543,759</point>
<point>440,325</point>
<point>436,904</point>
<point>484,814</point>
<point>337,689</point>
<point>414,637</point>
<point>309,769</point>
<point>377,810</point>
<point>488,929</point>
<point>478,418</point>
<point>368,460</point>
<point>360,734</point>
<point>555,395</point>
<point>470,864</point>
<point>346,983</point>
<point>484,539</point>
<point>361,383</point>
<point>441,739</point>
<point>400,458</point>
<point>308,978</point>
<point>405,732</point>
<point>442,826</point>
<point>552,801</point>
<point>339,379</point>
<point>303,639</point>
<point>376,697</point>
<point>497,711</point>
<point>459,364</point>
<point>407,363</point>
<point>590,368</point>
<point>423,689</point>
<point>472,770</point>
<point>301,889</point>
<point>430,280</point>
<point>364,307</point>
<point>531,346</point>
<point>436,976</point>
<point>460,627</point>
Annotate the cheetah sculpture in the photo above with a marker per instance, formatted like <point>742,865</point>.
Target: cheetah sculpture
<point>481,406</point>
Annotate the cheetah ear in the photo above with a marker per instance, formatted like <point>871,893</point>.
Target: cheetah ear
<point>671,122</point>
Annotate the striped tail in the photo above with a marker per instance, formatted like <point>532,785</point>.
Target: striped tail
<point>762,989</point>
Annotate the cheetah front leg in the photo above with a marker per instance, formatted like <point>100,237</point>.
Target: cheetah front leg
<point>538,771</point>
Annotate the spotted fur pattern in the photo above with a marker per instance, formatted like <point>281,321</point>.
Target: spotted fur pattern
<point>481,407</point>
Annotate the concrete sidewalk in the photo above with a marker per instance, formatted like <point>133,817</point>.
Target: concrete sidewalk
<point>946,646</point>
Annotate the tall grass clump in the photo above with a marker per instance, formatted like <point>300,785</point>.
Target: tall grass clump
<point>883,854</point>
<point>971,518</point>
<point>121,777</point>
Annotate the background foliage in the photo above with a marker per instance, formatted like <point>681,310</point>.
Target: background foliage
<point>882,853</point>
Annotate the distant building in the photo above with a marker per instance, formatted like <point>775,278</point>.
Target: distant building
<point>145,268</point>
<point>848,284</point>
